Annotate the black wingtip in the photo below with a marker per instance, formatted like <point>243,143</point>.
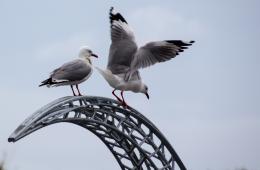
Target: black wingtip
<point>11,140</point>
<point>43,84</point>
<point>180,43</point>
<point>111,10</point>
<point>192,41</point>
<point>46,82</point>
<point>115,16</point>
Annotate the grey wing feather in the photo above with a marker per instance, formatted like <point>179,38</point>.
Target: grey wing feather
<point>159,51</point>
<point>123,46</point>
<point>120,56</point>
<point>135,76</point>
<point>72,71</point>
<point>119,27</point>
<point>156,52</point>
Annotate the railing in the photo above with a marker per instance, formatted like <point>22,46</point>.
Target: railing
<point>134,141</point>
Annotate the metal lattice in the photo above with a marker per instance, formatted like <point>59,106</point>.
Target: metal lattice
<point>134,141</point>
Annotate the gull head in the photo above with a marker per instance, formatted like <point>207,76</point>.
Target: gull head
<point>144,90</point>
<point>86,52</point>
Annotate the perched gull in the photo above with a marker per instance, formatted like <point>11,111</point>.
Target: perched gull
<point>125,58</point>
<point>73,72</point>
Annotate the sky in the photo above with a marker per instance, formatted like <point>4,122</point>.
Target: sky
<point>205,101</point>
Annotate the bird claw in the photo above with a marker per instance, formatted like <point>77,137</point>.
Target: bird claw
<point>124,105</point>
<point>118,99</point>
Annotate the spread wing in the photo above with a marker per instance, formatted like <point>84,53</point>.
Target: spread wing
<point>158,51</point>
<point>123,46</point>
<point>71,71</point>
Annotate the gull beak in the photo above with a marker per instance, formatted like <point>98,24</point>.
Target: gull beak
<point>94,55</point>
<point>147,95</point>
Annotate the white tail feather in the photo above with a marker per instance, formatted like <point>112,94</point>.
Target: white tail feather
<point>112,79</point>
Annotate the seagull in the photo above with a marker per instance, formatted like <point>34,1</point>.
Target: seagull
<point>125,58</point>
<point>73,72</point>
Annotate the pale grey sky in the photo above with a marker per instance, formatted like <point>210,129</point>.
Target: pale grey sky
<point>207,104</point>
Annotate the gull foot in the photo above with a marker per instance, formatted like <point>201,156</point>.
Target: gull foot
<point>124,104</point>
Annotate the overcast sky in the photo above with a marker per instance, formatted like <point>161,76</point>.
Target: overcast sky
<point>205,101</point>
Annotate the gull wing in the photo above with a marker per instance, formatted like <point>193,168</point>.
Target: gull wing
<point>71,71</point>
<point>156,52</point>
<point>123,46</point>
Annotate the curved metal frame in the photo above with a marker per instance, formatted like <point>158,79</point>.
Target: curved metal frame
<point>134,141</point>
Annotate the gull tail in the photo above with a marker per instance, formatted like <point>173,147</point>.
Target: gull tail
<point>47,82</point>
<point>113,80</point>
<point>50,82</point>
<point>107,74</point>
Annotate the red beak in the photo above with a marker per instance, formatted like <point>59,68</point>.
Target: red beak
<point>94,55</point>
<point>147,95</point>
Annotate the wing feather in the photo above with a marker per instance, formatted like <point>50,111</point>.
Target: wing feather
<point>158,51</point>
<point>71,71</point>
<point>123,46</point>
<point>155,52</point>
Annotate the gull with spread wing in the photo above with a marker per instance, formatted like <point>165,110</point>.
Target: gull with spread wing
<point>125,58</point>
<point>73,72</point>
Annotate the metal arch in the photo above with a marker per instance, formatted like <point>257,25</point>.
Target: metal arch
<point>134,141</point>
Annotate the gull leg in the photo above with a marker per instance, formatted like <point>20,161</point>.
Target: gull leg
<point>113,92</point>
<point>78,90</point>
<point>72,90</point>
<point>123,102</point>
